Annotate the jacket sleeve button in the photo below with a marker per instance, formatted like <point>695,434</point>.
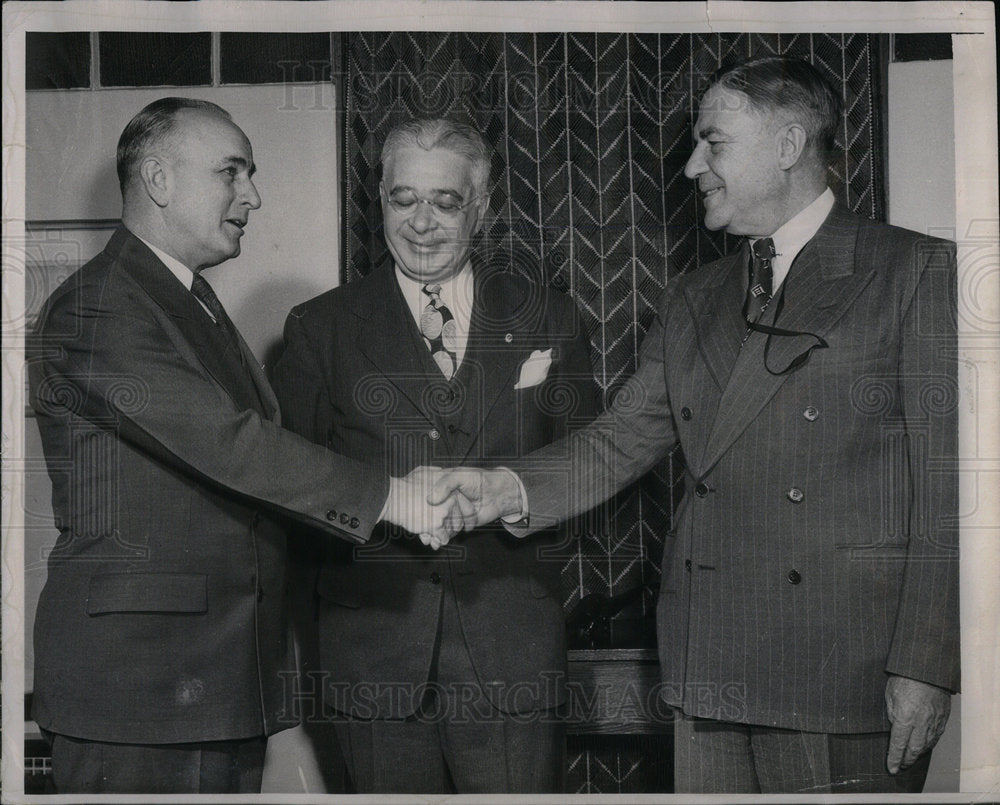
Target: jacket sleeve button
<point>355,522</point>
<point>332,515</point>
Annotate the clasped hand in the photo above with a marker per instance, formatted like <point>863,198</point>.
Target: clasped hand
<point>436,504</point>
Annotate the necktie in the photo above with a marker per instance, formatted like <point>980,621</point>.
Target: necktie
<point>761,279</point>
<point>204,293</point>
<point>439,330</point>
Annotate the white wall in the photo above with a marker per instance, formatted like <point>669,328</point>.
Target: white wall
<point>921,163</point>
<point>921,158</point>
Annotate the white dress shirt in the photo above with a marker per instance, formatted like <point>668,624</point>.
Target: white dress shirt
<point>457,294</point>
<point>795,233</point>
<point>184,274</point>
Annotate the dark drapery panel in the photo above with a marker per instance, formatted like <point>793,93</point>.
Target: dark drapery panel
<point>591,133</point>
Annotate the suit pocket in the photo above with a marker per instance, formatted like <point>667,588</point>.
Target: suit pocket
<point>339,584</point>
<point>147,592</point>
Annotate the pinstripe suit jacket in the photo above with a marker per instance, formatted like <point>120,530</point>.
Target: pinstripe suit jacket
<point>815,550</point>
<point>163,619</point>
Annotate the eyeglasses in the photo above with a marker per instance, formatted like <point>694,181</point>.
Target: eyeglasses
<point>406,201</point>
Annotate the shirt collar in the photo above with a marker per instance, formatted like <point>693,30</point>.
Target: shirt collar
<point>456,292</point>
<point>184,274</point>
<point>797,231</point>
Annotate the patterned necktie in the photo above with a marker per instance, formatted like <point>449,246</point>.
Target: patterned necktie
<point>761,279</point>
<point>440,331</point>
<point>203,293</point>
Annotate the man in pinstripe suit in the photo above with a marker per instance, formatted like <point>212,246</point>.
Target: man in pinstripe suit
<point>808,617</point>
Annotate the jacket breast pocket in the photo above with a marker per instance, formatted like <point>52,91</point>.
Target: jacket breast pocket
<point>147,592</point>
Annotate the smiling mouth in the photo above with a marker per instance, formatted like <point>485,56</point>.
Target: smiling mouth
<point>237,223</point>
<point>706,194</point>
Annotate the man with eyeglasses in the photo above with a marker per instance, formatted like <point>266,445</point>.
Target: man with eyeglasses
<point>808,616</point>
<point>444,669</point>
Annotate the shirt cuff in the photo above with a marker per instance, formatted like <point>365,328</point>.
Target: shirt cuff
<point>521,518</point>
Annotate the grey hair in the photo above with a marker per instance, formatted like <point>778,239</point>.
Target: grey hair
<point>771,83</point>
<point>431,133</point>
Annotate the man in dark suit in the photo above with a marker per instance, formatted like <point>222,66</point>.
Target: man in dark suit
<point>808,616</point>
<point>446,668</point>
<point>161,646</point>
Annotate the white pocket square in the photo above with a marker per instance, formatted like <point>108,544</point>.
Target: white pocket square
<point>535,369</point>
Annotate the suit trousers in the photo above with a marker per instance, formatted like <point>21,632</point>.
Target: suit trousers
<point>716,757</point>
<point>457,741</point>
<point>211,767</point>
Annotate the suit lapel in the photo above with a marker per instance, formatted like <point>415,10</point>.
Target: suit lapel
<point>494,351</point>
<point>165,290</point>
<point>261,383</point>
<point>388,337</point>
<point>821,286</point>
<point>717,310</point>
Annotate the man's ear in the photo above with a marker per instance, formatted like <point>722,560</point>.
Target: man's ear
<point>792,140</point>
<point>155,181</point>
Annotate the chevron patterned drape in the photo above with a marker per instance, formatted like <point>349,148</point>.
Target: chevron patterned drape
<point>591,133</point>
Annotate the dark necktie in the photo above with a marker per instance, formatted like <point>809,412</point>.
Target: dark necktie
<point>203,293</point>
<point>761,279</point>
<point>440,331</point>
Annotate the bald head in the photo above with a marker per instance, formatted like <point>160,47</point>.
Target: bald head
<point>152,129</point>
<point>186,171</point>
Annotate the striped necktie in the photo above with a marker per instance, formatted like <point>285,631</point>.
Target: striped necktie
<point>203,293</point>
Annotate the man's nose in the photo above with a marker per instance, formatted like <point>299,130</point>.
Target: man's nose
<point>423,219</point>
<point>250,196</point>
<point>695,166</point>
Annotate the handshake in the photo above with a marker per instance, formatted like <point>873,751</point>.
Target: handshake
<point>436,504</point>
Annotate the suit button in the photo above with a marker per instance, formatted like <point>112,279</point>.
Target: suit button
<point>795,495</point>
<point>435,577</point>
<point>685,413</point>
<point>794,577</point>
<point>434,434</point>
<point>345,518</point>
<point>687,565</point>
<point>355,522</point>
<point>332,515</point>
<point>811,413</point>
<point>701,490</point>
